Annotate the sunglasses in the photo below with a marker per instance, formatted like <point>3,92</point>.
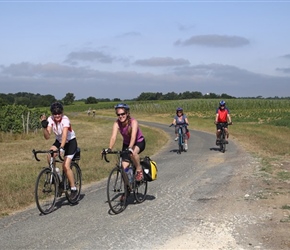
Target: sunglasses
<point>56,113</point>
<point>121,114</point>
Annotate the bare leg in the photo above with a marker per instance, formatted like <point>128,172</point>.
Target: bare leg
<point>68,171</point>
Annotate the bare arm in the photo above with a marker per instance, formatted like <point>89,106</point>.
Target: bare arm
<point>216,118</point>
<point>229,118</point>
<point>64,137</point>
<point>114,135</point>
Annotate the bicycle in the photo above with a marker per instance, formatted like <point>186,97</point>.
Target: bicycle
<point>222,140</point>
<point>50,184</point>
<point>181,137</point>
<point>119,187</point>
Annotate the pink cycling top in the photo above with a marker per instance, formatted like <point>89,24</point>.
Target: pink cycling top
<point>126,133</point>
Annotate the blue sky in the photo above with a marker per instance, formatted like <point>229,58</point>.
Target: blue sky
<point>119,49</point>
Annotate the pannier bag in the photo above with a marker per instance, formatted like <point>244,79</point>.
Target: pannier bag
<point>187,133</point>
<point>149,169</point>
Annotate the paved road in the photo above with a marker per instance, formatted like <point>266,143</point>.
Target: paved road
<point>186,183</point>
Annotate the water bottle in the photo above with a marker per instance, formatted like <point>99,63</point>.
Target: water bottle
<point>129,172</point>
<point>58,173</point>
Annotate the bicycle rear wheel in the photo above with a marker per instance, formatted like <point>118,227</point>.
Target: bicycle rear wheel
<point>116,191</point>
<point>78,183</point>
<point>140,190</point>
<point>46,188</point>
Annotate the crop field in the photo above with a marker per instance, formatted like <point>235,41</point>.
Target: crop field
<point>267,111</point>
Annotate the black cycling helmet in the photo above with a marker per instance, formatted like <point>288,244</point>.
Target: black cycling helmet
<point>56,108</point>
<point>122,106</point>
<point>179,109</point>
<point>222,103</point>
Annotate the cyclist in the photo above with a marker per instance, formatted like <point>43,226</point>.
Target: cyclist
<point>178,119</point>
<point>133,139</point>
<point>65,139</point>
<point>222,116</point>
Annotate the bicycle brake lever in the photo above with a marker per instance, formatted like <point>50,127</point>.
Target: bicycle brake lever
<point>104,156</point>
<point>34,154</point>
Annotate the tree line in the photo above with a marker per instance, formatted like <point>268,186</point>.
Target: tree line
<point>31,100</point>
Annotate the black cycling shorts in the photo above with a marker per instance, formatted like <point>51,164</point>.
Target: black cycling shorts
<point>70,147</point>
<point>220,125</point>
<point>141,145</point>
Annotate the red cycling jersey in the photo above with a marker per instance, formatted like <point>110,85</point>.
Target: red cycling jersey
<point>222,114</point>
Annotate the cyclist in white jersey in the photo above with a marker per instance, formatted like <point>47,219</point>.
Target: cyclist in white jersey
<point>65,139</point>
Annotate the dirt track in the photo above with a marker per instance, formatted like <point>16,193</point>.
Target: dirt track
<point>203,199</point>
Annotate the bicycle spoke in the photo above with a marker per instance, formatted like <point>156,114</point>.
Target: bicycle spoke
<point>46,191</point>
<point>116,191</point>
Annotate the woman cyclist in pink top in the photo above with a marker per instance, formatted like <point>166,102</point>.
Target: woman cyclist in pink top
<point>133,139</point>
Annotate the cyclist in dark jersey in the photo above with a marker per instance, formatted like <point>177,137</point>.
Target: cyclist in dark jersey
<point>133,139</point>
<point>222,116</point>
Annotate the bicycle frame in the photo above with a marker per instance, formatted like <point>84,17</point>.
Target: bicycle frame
<point>180,139</point>
<point>119,187</point>
<point>49,185</point>
<point>223,142</point>
<point>119,165</point>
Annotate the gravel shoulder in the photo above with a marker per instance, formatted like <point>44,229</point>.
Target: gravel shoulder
<point>247,213</point>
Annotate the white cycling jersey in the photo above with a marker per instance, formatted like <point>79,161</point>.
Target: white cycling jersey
<point>57,128</point>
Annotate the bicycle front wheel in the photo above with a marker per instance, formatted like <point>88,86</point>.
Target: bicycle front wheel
<point>180,145</point>
<point>116,191</point>
<point>46,188</point>
<point>78,184</point>
<point>140,191</point>
<point>223,142</point>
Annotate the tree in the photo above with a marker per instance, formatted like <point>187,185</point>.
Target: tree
<point>170,96</point>
<point>91,100</point>
<point>68,99</point>
<point>226,96</point>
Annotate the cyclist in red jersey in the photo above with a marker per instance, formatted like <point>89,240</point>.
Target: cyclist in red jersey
<point>222,116</point>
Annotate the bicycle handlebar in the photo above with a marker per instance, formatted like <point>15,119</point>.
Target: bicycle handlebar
<point>181,125</point>
<point>104,153</point>
<point>51,152</point>
<point>229,123</point>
